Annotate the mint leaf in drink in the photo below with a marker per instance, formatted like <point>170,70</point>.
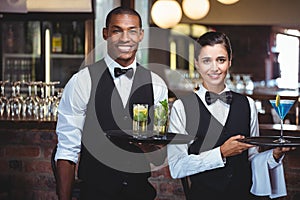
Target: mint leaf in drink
<point>164,103</point>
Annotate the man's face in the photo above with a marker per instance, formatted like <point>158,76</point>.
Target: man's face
<point>123,36</point>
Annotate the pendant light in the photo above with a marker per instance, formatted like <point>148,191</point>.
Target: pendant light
<point>166,13</point>
<point>228,2</point>
<point>195,9</point>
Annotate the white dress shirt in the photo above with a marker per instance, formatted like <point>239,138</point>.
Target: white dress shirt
<point>73,105</point>
<point>182,164</point>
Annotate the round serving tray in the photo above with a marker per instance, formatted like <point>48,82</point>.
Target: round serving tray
<point>150,137</point>
<point>269,141</point>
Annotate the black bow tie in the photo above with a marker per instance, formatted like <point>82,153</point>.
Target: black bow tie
<point>211,97</point>
<point>128,72</point>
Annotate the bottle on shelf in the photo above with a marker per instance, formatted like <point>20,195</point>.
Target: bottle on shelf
<point>8,69</point>
<point>29,36</point>
<point>10,39</point>
<point>66,30</point>
<point>77,39</point>
<point>57,39</point>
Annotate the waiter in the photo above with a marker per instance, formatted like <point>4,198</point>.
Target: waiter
<point>100,98</point>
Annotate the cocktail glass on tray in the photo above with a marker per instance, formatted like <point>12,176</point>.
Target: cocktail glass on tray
<point>282,107</point>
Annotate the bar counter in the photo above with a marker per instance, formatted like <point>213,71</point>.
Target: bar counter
<point>290,129</point>
<point>25,163</point>
<point>26,173</point>
<point>25,153</point>
<point>266,93</point>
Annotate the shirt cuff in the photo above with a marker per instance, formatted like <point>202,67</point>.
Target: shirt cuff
<point>62,154</point>
<point>223,160</point>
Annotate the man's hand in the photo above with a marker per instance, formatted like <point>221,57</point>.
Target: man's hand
<point>146,148</point>
<point>233,147</point>
<point>155,153</point>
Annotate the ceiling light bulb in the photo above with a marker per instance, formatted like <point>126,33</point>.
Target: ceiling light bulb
<point>166,13</point>
<point>195,9</point>
<point>228,2</point>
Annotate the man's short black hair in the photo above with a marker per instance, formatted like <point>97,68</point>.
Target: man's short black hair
<point>122,10</point>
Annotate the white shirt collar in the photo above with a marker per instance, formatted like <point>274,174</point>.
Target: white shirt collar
<point>202,90</point>
<point>111,64</point>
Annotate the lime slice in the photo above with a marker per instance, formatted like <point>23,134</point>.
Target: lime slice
<point>277,102</point>
<point>140,113</point>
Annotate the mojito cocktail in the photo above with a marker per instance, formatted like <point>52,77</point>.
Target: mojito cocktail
<point>140,119</point>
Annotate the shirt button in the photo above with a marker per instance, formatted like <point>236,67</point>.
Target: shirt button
<point>125,118</point>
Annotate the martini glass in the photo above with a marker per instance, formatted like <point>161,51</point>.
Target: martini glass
<point>282,109</point>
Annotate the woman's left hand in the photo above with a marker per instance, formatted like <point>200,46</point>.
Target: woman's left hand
<point>278,152</point>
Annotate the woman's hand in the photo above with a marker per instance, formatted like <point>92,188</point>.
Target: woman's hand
<point>233,147</point>
<point>278,152</point>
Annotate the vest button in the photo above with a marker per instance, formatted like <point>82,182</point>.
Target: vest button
<point>229,175</point>
<point>125,118</point>
<point>124,183</point>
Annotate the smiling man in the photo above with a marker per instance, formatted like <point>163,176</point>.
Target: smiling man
<point>123,37</point>
<point>99,98</point>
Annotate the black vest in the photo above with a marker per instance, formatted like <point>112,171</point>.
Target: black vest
<point>237,172</point>
<point>108,112</point>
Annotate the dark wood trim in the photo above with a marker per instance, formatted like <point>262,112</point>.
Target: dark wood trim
<point>46,16</point>
<point>128,3</point>
<point>89,42</point>
<point>18,124</point>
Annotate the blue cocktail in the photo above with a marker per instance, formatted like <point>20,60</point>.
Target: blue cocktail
<point>282,107</point>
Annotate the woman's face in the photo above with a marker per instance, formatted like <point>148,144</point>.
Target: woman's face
<point>213,64</point>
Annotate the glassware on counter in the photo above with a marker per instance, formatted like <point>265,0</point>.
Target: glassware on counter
<point>15,101</point>
<point>239,84</point>
<point>43,102</point>
<point>229,82</point>
<point>31,107</point>
<point>33,100</point>
<point>249,85</point>
<point>3,98</point>
<point>52,100</point>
